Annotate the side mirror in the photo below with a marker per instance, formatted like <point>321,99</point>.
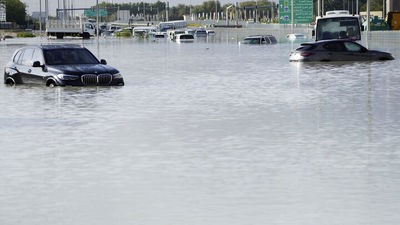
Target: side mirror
<point>103,61</point>
<point>36,64</point>
<point>364,50</point>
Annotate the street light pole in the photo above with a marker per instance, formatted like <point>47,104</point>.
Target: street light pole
<point>227,11</point>
<point>97,28</point>
<point>292,16</point>
<point>40,17</point>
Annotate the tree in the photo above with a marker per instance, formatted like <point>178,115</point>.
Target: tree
<point>15,10</point>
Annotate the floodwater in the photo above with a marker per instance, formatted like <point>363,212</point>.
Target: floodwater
<point>205,133</point>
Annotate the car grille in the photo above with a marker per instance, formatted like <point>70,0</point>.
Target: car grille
<point>104,79</point>
<point>93,79</point>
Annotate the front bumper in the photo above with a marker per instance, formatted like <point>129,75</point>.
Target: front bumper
<point>92,81</point>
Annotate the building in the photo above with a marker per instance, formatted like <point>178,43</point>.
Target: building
<point>3,12</point>
<point>393,6</point>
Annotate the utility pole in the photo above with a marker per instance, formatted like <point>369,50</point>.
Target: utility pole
<point>368,22</point>
<point>292,16</point>
<point>40,17</point>
<point>46,6</point>
<point>272,12</point>
<point>97,28</point>
<point>237,13</point>
<point>368,15</point>
<point>319,7</point>
<point>58,7</point>
<point>357,10</point>
<point>144,11</point>
<point>216,10</point>
<point>64,13</point>
<point>384,9</point>
<point>227,11</point>
<point>167,11</point>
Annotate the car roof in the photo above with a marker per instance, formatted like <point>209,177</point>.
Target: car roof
<point>259,36</point>
<point>64,46</point>
<point>327,41</point>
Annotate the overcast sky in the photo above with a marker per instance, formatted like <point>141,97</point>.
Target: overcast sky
<point>33,5</point>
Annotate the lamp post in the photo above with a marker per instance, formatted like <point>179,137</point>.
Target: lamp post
<point>40,17</point>
<point>97,28</point>
<point>227,10</point>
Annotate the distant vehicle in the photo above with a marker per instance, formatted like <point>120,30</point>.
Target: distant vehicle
<point>102,28</point>
<point>159,35</point>
<point>59,65</point>
<point>296,37</point>
<point>201,32</point>
<point>336,50</point>
<point>172,25</point>
<point>338,25</point>
<point>143,31</point>
<point>113,28</point>
<point>260,40</point>
<point>61,28</point>
<point>184,38</point>
<point>172,34</point>
<point>190,31</point>
<point>210,32</point>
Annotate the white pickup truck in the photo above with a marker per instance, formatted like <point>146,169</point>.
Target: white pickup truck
<point>75,28</point>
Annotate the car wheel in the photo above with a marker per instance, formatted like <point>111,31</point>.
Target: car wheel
<point>51,83</point>
<point>9,81</point>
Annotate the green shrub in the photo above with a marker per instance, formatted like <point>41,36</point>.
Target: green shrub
<point>25,35</point>
<point>123,34</point>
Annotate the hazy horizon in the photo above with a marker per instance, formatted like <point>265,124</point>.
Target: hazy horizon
<point>33,5</point>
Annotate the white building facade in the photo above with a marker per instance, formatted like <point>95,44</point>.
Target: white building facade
<point>2,12</point>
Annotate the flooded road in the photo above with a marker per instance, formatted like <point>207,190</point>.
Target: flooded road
<point>205,133</point>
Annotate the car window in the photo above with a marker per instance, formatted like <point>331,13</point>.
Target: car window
<point>272,39</point>
<point>89,26</point>
<point>16,56</point>
<point>352,47</point>
<point>69,56</point>
<point>27,57</point>
<point>38,56</point>
<point>21,56</point>
<point>267,41</point>
<point>251,41</point>
<point>334,46</point>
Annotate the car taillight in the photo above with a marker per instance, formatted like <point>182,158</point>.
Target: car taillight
<point>307,54</point>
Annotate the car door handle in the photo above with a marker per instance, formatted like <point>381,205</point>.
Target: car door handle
<point>29,71</point>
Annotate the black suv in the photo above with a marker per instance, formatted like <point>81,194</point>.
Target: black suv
<point>59,65</point>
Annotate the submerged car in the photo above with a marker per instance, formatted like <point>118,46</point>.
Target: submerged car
<point>60,65</point>
<point>184,38</point>
<point>296,37</point>
<point>260,40</point>
<point>336,50</point>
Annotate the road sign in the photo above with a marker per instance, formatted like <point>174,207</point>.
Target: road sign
<point>303,11</point>
<point>93,13</point>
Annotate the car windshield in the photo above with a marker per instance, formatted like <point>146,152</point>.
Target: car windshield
<point>337,28</point>
<point>69,57</point>
<point>251,41</point>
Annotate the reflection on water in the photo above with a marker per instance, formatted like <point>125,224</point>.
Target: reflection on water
<point>205,133</point>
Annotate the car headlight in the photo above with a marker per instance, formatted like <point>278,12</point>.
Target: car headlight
<point>117,76</point>
<point>67,77</point>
